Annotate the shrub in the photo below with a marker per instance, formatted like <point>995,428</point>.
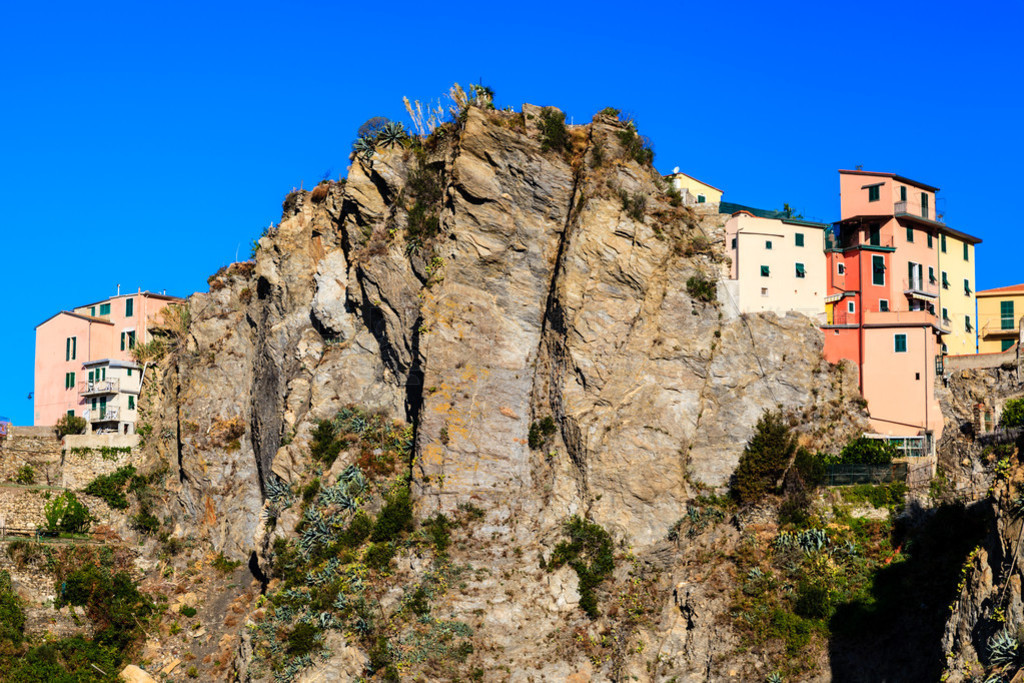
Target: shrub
<point>436,528</point>
<point>110,487</point>
<point>113,603</point>
<point>1013,413</point>
<point>812,600</point>
<point>701,288</point>
<point>865,451</point>
<point>69,424</point>
<point>224,565</point>
<point>187,611</point>
<point>359,529</point>
<point>12,617</point>
<point>395,517</point>
<point>589,552</point>
<point>540,431</point>
<point>553,133</point>
<point>636,148</point>
<point>26,475</point>
<point>610,111</point>
<point>325,446</point>
<point>764,459</point>
<point>144,522</point>
<point>379,555</point>
<point>811,468</point>
<point>65,514</point>
<point>302,640</point>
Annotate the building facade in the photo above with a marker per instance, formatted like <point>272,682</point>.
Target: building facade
<point>84,364</point>
<point>694,191</point>
<point>778,263</point>
<point>999,317</point>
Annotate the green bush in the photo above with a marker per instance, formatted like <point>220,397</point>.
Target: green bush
<point>112,601</point>
<point>553,133</point>
<point>302,640</point>
<point>395,517</point>
<point>865,451</point>
<point>436,528</point>
<point>65,514</point>
<point>701,288</point>
<point>111,487</point>
<point>224,565</point>
<point>636,148</point>
<point>69,424</point>
<point>540,431</point>
<point>812,600</point>
<point>811,468</point>
<point>589,552</point>
<point>144,522</point>
<point>26,475</point>
<point>764,459</point>
<point>359,529</point>
<point>1013,413</point>
<point>12,617</point>
<point>325,445</point>
<point>379,555</point>
<point>187,611</point>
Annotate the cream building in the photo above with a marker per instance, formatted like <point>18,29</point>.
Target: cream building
<point>778,263</point>
<point>999,314</point>
<point>694,191</point>
<point>957,297</point>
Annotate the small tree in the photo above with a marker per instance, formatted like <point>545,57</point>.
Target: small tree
<point>1013,413</point>
<point>69,424</point>
<point>764,460</point>
<point>865,451</point>
<point>65,514</point>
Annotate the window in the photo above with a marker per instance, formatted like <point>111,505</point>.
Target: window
<point>131,339</point>
<point>129,307</point>
<point>92,311</point>
<point>767,244</point>
<point>701,199</point>
<point>924,206</point>
<point>1007,344</point>
<point>71,348</point>
<point>967,324</point>
<point>945,314</point>
<point>883,305</point>
<point>69,382</point>
<point>967,287</point>
<point>104,309</point>
<point>123,340</point>
<point>128,340</point>
<point>764,291</point>
<point>733,242</point>
<point>874,193</point>
<point>841,269</point>
<point>910,234</point>
<point>967,254</point>
<point>71,413</point>
<point>764,271</point>
<point>929,240</point>
<point>931,275</point>
<point>129,372</point>
<point>903,194</point>
<point>800,272</point>
<point>799,239</point>
<point>945,280</point>
<point>131,403</point>
<point>900,343</point>
<point>1006,315</point>
<point>878,270</point>
<point>942,243</point>
<point>851,307</point>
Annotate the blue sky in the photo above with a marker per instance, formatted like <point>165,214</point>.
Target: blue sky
<point>146,144</point>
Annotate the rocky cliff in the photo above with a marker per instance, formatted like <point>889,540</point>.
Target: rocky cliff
<point>546,318</point>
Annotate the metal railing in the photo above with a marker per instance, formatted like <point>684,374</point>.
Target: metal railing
<point>921,286</point>
<point>102,414</point>
<point>104,386</point>
<point>848,475</point>
<point>996,326</point>
<point>908,208</point>
<point>844,317</point>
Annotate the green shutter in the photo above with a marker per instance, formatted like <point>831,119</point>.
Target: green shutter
<point>799,239</point>
<point>901,343</point>
<point>122,341</point>
<point>967,256</point>
<point>104,309</point>
<point>74,348</point>
<point>764,271</point>
<point>131,403</point>
<point>910,234</point>
<point>800,272</point>
<point>92,311</point>
<point>903,194</point>
<point>129,308</point>
<point>71,413</point>
<point>768,244</point>
<point>945,280</point>
<point>72,380</point>
<point>967,287</point>
<point>1008,344</point>
<point>129,372</point>
<point>874,193</point>
<point>929,240</point>
<point>942,240</point>
<point>1006,315</point>
<point>67,349</point>
<point>878,270</point>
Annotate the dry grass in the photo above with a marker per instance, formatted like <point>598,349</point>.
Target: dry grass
<point>320,192</point>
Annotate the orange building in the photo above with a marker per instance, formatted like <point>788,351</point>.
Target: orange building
<point>84,363</point>
<point>882,307</point>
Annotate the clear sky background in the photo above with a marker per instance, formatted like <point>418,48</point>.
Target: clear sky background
<point>148,144</point>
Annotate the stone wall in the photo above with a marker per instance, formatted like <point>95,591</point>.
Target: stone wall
<point>78,469</point>
<point>36,588</point>
<point>22,507</point>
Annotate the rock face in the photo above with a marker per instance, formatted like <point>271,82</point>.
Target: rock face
<point>551,285</point>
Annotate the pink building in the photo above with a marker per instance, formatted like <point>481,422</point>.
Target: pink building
<point>84,362</point>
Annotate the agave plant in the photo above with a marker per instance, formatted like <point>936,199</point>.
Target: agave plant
<point>774,677</point>
<point>812,540</point>
<point>278,491</point>
<point>755,574</point>
<point>364,147</point>
<point>393,133</point>
<point>1003,648</point>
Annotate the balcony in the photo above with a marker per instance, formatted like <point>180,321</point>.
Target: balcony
<point>110,414</point>
<point>920,288</point>
<point>996,328</point>
<point>915,210</point>
<point>95,388</point>
<point>886,318</point>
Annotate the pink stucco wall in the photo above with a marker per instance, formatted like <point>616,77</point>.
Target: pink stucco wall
<point>853,196</point>
<point>900,387</point>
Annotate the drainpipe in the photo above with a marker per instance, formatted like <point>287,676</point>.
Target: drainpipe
<point>860,319</point>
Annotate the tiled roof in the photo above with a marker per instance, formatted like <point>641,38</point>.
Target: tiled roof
<point>1002,290</point>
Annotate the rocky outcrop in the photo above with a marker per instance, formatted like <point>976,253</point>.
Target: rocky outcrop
<point>552,285</point>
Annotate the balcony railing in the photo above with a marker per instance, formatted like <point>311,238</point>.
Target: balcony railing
<point>995,328</point>
<point>909,208</point>
<point>102,414</point>
<point>95,388</point>
<point>920,288</point>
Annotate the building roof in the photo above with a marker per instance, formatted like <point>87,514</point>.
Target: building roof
<point>733,209</point>
<point>150,295</point>
<point>675,173</point>
<point>86,318</point>
<point>900,178</point>
<point>962,236</point>
<point>111,362</point>
<point>1009,289</point>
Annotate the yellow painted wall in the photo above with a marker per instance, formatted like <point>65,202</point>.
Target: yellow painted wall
<point>989,319</point>
<point>681,182</point>
<point>957,303</point>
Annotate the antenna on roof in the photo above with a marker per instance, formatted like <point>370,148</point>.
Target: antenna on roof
<point>859,167</point>
<point>118,289</point>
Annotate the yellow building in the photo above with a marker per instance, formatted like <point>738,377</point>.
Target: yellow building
<point>999,314</point>
<point>694,191</point>
<point>957,298</point>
